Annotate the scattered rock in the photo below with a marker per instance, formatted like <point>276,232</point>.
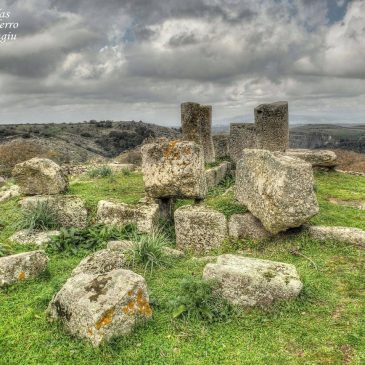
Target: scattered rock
<point>355,236</point>
<point>199,228</point>
<point>204,259</point>
<point>317,158</point>
<point>253,282</point>
<point>276,189</point>
<point>12,192</point>
<point>2,181</point>
<point>174,169</point>
<point>70,210</point>
<point>247,226</point>
<point>173,253</point>
<point>98,307</point>
<point>217,174</point>
<point>26,237</point>
<point>100,262</point>
<point>121,246</point>
<point>145,216</point>
<point>22,266</point>
<point>40,176</point>
<point>348,203</point>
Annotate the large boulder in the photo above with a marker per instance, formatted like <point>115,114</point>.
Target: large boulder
<point>28,236</point>
<point>174,169</point>
<point>199,228</point>
<point>317,158</point>
<point>252,282</point>
<point>70,211</point>
<point>98,307</point>
<point>276,189</point>
<point>247,226</point>
<point>40,176</point>
<point>144,216</point>
<point>354,236</point>
<point>22,266</point>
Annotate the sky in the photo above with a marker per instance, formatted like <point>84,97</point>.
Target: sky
<point>140,59</point>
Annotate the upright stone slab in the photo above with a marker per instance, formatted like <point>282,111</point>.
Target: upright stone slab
<point>221,142</point>
<point>272,126</point>
<point>276,189</point>
<point>241,136</point>
<point>174,169</point>
<point>205,119</point>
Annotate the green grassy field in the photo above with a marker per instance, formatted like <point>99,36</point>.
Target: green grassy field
<point>325,325</point>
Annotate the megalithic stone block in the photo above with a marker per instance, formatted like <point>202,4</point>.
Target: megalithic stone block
<point>272,126</point>
<point>205,119</point>
<point>241,136</point>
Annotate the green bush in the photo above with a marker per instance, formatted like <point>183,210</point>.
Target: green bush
<point>148,250</point>
<point>39,217</point>
<point>103,171</point>
<point>5,250</point>
<point>199,299</point>
<point>126,172</point>
<point>91,238</point>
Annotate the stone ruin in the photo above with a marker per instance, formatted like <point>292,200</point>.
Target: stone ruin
<point>241,136</point>
<point>196,123</point>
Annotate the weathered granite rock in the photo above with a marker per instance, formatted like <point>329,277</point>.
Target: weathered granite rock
<point>252,282</point>
<point>100,262</point>
<point>40,176</point>
<point>272,126</point>
<point>199,228</point>
<point>70,211</point>
<point>26,237</point>
<point>101,306</point>
<point>276,189</point>
<point>22,266</point>
<point>217,174</point>
<point>145,216</point>
<point>205,120</point>
<point>11,192</point>
<point>241,226</point>
<point>242,135</point>
<point>174,169</point>
<point>317,158</point>
<point>220,142</point>
<point>354,236</point>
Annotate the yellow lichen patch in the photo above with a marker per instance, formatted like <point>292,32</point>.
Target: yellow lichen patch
<point>105,319</point>
<point>130,293</point>
<point>170,152</point>
<point>90,332</point>
<point>21,275</point>
<point>139,306</point>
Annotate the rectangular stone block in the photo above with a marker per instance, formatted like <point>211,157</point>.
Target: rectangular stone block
<point>241,136</point>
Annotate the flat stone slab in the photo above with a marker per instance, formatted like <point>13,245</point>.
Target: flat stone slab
<point>317,158</point>
<point>355,236</point>
<point>144,216</point>
<point>26,237</point>
<point>99,307</point>
<point>22,266</point>
<point>252,282</point>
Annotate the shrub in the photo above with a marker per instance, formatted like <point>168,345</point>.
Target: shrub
<point>148,250</point>
<point>126,172</point>
<point>5,250</point>
<point>199,300</point>
<point>103,171</point>
<point>39,217</point>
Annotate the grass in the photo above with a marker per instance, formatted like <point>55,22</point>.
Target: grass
<point>325,325</point>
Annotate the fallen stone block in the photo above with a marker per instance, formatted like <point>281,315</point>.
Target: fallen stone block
<point>40,176</point>
<point>252,282</point>
<point>99,307</point>
<point>317,158</point>
<point>144,216</point>
<point>22,266</point>
<point>28,236</point>
<point>276,189</point>
<point>199,228</point>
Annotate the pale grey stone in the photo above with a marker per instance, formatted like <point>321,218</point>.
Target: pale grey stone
<point>39,176</point>
<point>9,193</point>
<point>354,236</point>
<point>252,282</point>
<point>242,135</point>
<point>145,216</point>
<point>247,226</point>
<point>317,158</point>
<point>2,181</point>
<point>26,237</point>
<point>199,228</point>
<point>220,142</point>
<point>121,245</point>
<point>205,120</point>
<point>276,189</point>
<point>22,266</point>
<point>217,174</point>
<point>99,307</point>
<point>174,169</point>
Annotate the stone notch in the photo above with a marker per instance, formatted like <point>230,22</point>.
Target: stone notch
<point>241,136</point>
<point>272,126</point>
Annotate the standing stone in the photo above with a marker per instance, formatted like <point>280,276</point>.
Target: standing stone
<point>241,136</point>
<point>220,142</point>
<point>199,228</point>
<point>272,126</point>
<point>205,120</point>
<point>40,176</point>
<point>174,169</point>
<point>276,189</point>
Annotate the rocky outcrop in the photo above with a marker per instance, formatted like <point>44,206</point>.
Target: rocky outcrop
<point>276,189</point>
<point>252,282</point>
<point>40,176</point>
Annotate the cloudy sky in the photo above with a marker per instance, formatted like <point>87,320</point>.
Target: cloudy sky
<point>76,60</point>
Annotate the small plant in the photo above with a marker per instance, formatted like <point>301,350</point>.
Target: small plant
<point>39,217</point>
<point>103,171</point>
<point>199,300</point>
<point>126,172</point>
<point>148,250</point>
<point>4,250</point>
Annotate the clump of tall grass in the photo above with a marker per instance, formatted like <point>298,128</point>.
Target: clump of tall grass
<point>102,171</point>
